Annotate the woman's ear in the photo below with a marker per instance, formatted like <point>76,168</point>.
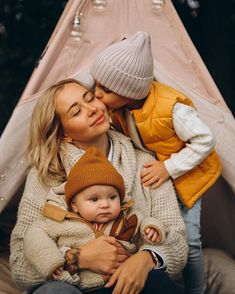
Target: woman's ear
<point>67,138</point>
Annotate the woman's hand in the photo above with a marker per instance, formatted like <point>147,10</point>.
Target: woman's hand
<point>102,255</point>
<point>131,276</point>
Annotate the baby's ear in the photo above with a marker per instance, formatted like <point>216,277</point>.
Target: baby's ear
<point>74,207</point>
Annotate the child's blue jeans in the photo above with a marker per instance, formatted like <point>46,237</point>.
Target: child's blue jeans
<point>193,272</point>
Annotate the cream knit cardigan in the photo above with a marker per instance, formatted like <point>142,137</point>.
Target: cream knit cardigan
<point>160,203</point>
<point>44,238</point>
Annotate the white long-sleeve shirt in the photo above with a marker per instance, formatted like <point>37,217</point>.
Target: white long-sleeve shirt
<point>191,129</point>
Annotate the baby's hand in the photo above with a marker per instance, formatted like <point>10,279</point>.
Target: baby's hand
<point>153,235</point>
<point>57,273</point>
<point>154,174</point>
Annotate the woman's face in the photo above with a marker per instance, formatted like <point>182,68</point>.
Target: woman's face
<point>83,117</point>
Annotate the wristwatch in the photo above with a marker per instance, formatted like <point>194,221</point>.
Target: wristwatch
<point>157,260</point>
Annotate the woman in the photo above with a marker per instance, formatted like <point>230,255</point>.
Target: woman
<point>67,120</point>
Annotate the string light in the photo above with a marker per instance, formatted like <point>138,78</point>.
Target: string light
<point>157,5</point>
<point>99,4</point>
<point>194,5</point>
<point>76,32</point>
<point>2,177</point>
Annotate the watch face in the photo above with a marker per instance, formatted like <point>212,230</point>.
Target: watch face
<point>154,255</point>
<point>157,260</point>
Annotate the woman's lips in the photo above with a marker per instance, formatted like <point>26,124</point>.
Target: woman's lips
<point>100,119</point>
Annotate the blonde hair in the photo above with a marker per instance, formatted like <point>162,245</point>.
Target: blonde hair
<point>46,133</point>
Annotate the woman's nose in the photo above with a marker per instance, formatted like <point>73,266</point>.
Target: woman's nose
<point>91,109</point>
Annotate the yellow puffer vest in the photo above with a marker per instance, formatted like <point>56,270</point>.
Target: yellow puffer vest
<point>154,122</point>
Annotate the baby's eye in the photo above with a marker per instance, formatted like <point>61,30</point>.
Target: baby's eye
<point>112,197</point>
<point>94,199</point>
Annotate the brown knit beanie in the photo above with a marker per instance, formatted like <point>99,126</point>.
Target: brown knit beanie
<point>126,67</point>
<point>93,168</point>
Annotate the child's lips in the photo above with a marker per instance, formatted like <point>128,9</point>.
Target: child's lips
<point>104,214</point>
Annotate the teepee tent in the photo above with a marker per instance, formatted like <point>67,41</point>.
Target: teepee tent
<point>177,63</point>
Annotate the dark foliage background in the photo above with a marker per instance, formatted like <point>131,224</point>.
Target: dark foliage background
<point>26,25</point>
<point>25,28</point>
<point>213,34</point>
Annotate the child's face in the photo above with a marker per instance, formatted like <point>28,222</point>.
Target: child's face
<point>110,99</point>
<point>83,117</point>
<point>98,203</point>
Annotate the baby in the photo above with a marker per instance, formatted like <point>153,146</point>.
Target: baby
<point>94,204</point>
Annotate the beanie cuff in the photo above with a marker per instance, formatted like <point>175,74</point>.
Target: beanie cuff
<point>120,82</point>
<point>126,67</point>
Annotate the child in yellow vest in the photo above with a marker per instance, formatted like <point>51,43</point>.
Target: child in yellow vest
<point>163,120</point>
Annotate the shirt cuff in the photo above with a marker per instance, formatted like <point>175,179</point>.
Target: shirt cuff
<point>161,260</point>
<point>63,250</point>
<point>172,171</point>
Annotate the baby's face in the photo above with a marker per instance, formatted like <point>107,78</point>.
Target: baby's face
<point>98,203</point>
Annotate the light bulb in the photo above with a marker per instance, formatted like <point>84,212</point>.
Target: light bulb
<point>157,5</point>
<point>193,4</point>
<point>76,32</point>
<point>99,4</point>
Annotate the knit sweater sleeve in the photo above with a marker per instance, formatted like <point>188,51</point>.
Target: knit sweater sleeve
<point>162,204</point>
<point>152,223</point>
<point>40,248</point>
<point>144,223</point>
<point>23,273</point>
<point>198,137</point>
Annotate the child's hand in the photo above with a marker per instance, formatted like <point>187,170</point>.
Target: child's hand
<point>154,174</point>
<point>57,273</point>
<point>153,235</point>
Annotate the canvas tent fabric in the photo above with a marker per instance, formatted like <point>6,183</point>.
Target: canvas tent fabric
<point>177,63</point>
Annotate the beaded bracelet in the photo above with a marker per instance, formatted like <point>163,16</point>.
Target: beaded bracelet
<point>72,260</point>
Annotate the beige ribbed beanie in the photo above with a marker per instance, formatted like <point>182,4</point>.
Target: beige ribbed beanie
<point>126,67</point>
<point>93,168</point>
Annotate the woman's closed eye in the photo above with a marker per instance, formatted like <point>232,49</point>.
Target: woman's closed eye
<point>89,97</point>
<point>75,112</point>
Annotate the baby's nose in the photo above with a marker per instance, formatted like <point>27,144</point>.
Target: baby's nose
<point>104,203</point>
